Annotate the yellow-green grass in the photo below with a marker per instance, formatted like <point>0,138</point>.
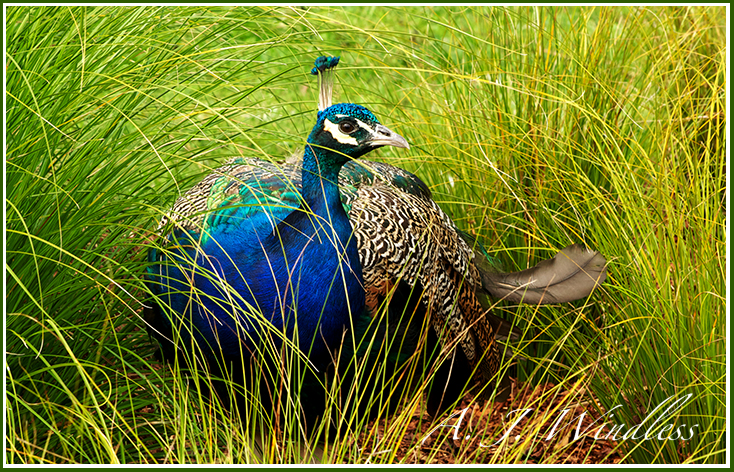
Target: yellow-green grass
<point>535,127</point>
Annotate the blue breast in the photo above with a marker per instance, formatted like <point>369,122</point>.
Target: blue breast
<point>260,266</point>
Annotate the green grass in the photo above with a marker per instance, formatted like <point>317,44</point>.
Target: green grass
<point>535,127</point>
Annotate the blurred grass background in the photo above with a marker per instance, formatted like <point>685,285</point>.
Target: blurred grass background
<point>535,127</point>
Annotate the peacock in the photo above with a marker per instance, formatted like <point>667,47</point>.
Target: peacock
<point>423,283</point>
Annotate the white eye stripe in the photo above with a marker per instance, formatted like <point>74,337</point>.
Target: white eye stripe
<point>333,129</point>
<point>365,126</point>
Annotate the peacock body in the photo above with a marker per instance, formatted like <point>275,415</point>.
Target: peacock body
<point>357,236</point>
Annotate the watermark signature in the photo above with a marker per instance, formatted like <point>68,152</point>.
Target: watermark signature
<point>657,425</point>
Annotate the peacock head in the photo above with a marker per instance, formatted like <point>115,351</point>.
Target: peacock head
<point>351,131</point>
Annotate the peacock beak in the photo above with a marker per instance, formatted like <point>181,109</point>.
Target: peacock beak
<point>383,136</point>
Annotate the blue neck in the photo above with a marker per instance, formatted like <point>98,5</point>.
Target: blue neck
<point>320,177</point>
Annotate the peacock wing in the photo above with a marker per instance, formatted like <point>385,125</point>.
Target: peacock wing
<point>244,195</point>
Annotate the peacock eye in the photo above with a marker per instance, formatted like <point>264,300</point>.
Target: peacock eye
<point>346,127</point>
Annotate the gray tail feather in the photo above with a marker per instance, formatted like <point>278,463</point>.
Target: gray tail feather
<point>570,275</point>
